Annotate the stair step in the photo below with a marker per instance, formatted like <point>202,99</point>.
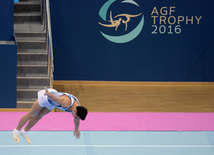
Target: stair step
<point>30,34</point>
<point>31,43</point>
<point>32,82</point>
<point>26,97</point>
<point>32,63</point>
<point>35,53</point>
<point>21,2</point>
<point>26,94</point>
<point>27,17</point>
<point>32,66</point>
<point>32,69</point>
<point>29,26</point>
<point>33,78</point>
<point>31,75</point>
<point>25,104</point>
<point>30,51</point>
<point>32,87</point>
<point>45,63</point>
<point>31,39</point>
<point>29,14</point>
<point>27,6</point>
<point>34,58</point>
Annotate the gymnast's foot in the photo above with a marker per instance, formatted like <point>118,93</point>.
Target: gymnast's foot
<point>16,136</point>
<point>24,134</point>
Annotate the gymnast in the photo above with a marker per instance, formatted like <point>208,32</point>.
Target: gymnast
<point>48,99</point>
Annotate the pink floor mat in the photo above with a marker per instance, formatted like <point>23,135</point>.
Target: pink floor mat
<point>120,121</point>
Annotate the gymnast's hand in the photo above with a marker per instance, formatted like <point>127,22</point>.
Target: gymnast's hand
<point>77,134</point>
<point>46,91</point>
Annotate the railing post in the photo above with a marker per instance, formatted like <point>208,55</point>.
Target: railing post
<point>49,47</point>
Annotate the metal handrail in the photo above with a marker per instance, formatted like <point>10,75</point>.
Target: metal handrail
<point>49,45</point>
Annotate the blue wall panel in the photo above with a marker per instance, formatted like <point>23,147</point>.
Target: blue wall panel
<point>174,43</point>
<point>8,70</point>
<point>8,56</point>
<point>6,18</point>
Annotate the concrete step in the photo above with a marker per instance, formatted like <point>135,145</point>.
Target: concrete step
<point>32,58</point>
<point>30,39</point>
<point>31,43</point>
<point>32,75</point>
<point>27,17</point>
<point>26,97</point>
<point>32,69</point>
<point>31,51</point>
<point>27,6</point>
<point>27,94</point>
<point>29,30</point>
<point>45,63</point>
<point>30,34</point>
<point>32,82</point>
<point>29,26</point>
<point>25,104</point>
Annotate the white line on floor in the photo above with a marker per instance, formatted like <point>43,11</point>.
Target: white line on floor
<point>130,146</point>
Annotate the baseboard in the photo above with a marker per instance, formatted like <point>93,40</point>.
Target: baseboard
<point>128,83</point>
<point>17,110</point>
<point>14,109</point>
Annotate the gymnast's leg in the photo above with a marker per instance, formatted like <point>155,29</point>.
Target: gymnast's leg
<point>35,109</point>
<point>32,122</point>
<point>35,119</point>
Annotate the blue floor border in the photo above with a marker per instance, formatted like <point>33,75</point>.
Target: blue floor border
<point>87,140</point>
<point>110,143</point>
<point>210,136</point>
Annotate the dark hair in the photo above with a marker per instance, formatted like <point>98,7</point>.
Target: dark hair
<point>81,112</point>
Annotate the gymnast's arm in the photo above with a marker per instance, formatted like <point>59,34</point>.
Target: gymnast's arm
<point>53,97</point>
<point>76,130</point>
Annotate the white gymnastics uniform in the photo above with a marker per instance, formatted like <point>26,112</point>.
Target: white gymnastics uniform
<point>46,102</point>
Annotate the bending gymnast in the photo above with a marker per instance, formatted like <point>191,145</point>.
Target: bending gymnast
<point>48,99</point>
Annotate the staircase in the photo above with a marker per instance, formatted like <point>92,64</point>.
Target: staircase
<point>32,57</point>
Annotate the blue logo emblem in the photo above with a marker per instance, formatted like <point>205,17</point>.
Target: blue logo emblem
<point>117,20</point>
